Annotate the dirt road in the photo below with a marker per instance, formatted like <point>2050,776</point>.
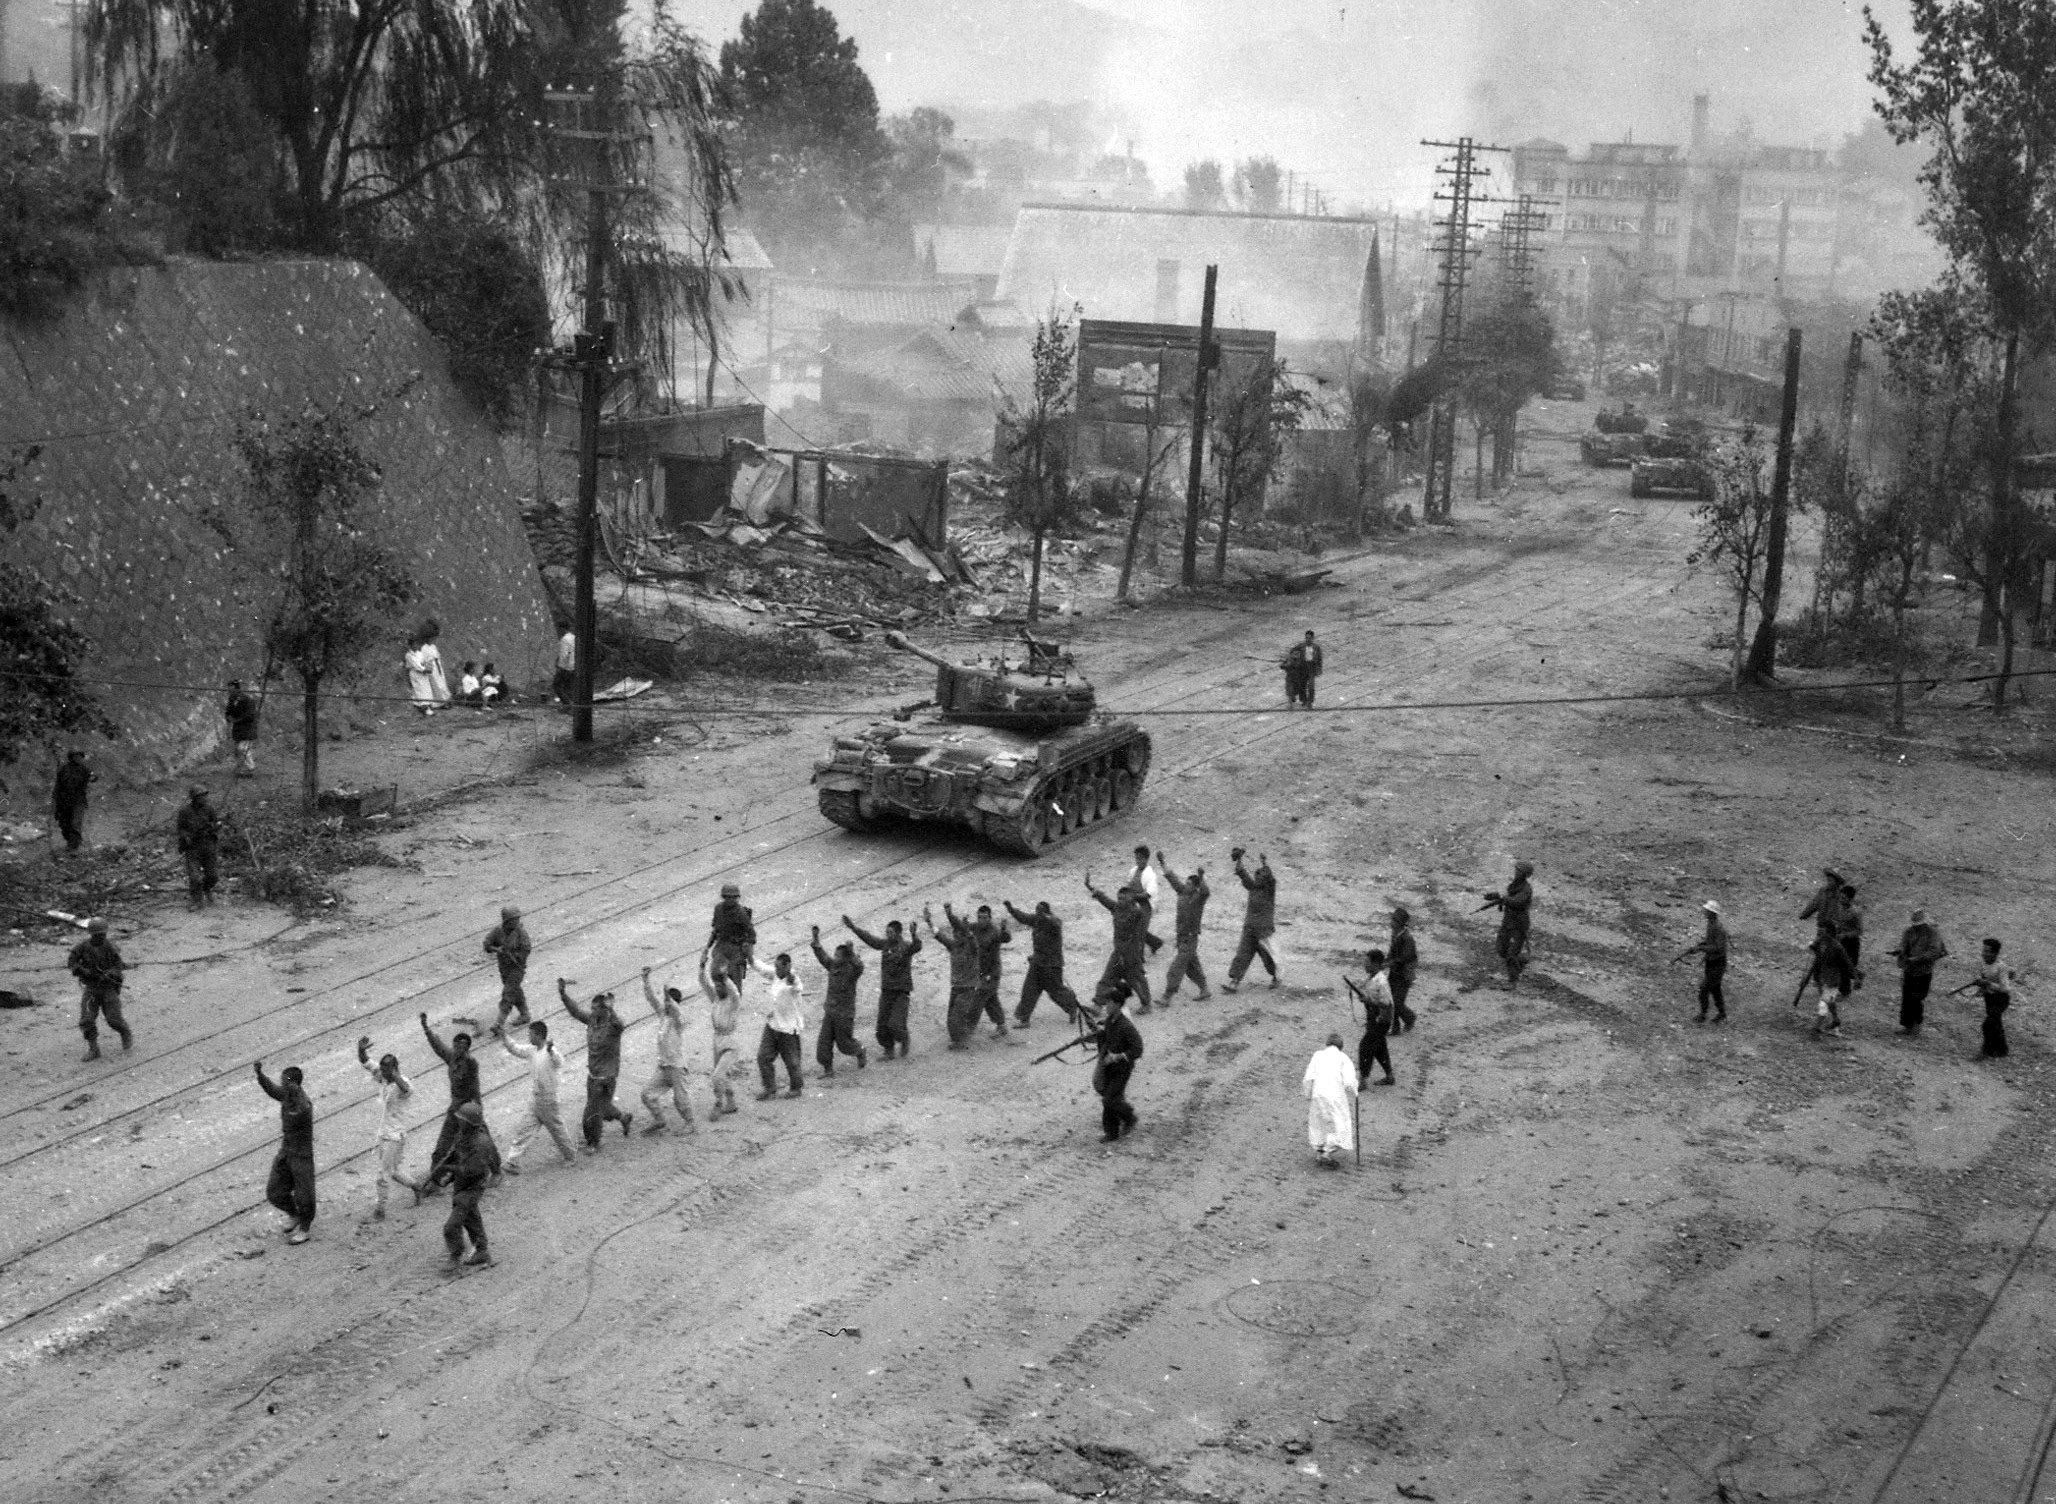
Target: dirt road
<point>1594,1250</point>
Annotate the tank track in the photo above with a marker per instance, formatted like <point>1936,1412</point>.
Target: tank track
<point>1073,797</point>
<point>841,807</point>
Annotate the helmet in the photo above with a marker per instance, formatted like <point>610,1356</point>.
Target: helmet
<point>730,890</point>
<point>96,926</point>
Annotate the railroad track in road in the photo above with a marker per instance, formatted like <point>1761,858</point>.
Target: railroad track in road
<point>931,867</point>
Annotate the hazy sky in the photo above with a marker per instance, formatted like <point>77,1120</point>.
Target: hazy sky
<point>1344,91</point>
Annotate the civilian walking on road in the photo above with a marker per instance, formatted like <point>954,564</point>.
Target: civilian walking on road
<point>68,799</point>
<point>100,971</point>
<point>669,1077</point>
<point>785,1025</point>
<point>1192,896</point>
<point>199,846</point>
<point>1402,964</point>
<point>1712,949</point>
<point>723,1003</point>
<point>291,1185</point>
<point>1045,973</point>
<point>474,1162</point>
<point>464,1087</point>
<point>962,1017</point>
<point>603,1029</point>
<point>507,943</point>
<point>1120,1047</point>
<point>838,1006</point>
<point>390,1142</point>
<point>1514,907</point>
<point>1920,951</point>
<point>1331,1085</point>
<point>895,980</point>
<point>1831,976</point>
<point>240,711</point>
<point>1142,877</point>
<point>1259,920</point>
<point>545,1068</point>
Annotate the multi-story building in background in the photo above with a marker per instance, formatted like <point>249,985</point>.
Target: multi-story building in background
<point>1644,220</point>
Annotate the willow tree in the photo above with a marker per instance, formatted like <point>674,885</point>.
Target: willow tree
<point>376,114</point>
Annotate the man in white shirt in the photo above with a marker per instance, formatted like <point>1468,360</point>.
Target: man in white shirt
<point>723,1003</point>
<point>1143,879</point>
<point>562,681</point>
<point>670,1075</point>
<point>785,1021</point>
<point>392,1134</point>
<point>544,1067</point>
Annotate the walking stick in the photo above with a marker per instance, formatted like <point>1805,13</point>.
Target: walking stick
<point>1356,1126</point>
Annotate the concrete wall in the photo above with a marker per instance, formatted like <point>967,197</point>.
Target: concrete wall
<point>134,396</point>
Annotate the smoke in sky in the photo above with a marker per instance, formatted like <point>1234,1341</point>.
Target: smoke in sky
<point>1343,92</point>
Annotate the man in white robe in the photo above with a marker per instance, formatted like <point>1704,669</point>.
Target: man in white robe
<point>1331,1084</point>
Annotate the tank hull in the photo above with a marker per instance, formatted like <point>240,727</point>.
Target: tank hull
<point>1023,792</point>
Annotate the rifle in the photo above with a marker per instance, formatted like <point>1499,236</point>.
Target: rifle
<point>1085,1035</point>
<point>1492,901</point>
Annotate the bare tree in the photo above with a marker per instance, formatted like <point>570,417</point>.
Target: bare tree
<point>1734,532</point>
<point>307,482</point>
<point>1038,449</point>
<point>1250,421</point>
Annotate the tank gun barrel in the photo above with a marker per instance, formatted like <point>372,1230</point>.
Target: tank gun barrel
<point>899,640</point>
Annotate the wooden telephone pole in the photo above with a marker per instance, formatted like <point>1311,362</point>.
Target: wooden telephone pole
<point>592,357</point>
<point>1188,562</point>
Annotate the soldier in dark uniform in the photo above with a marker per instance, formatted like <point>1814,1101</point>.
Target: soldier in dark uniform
<point>1402,962</point>
<point>989,937</point>
<point>1192,896</point>
<point>838,1006</point>
<point>464,1087</point>
<point>98,966</point>
<point>1259,920</point>
<point>68,799</point>
<point>1120,1046</point>
<point>240,712</point>
<point>1045,964</point>
<point>963,976</point>
<point>896,954</point>
<point>507,942</point>
<point>291,1186</point>
<point>1131,929</point>
<point>1514,905</point>
<point>199,843</point>
<point>734,937</point>
<point>474,1160</point>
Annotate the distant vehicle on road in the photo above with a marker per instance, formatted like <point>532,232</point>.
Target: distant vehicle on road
<point>1614,438</point>
<point>1673,461</point>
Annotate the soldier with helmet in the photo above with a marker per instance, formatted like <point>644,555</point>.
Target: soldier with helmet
<point>508,943</point>
<point>733,937</point>
<point>99,968</point>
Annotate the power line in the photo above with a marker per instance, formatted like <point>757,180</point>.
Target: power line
<point>1381,708</point>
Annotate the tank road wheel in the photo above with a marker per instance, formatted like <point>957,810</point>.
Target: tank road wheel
<point>1102,797</point>
<point>1123,791</point>
<point>1075,800</point>
<point>1035,825</point>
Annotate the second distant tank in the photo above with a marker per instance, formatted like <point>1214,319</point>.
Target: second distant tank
<point>1015,751</point>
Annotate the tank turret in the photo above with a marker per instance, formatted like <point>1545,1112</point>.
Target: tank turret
<point>1043,694</point>
<point>1017,752</point>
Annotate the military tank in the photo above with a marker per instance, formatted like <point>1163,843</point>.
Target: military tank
<point>1017,752</point>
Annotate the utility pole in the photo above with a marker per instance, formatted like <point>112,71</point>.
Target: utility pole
<point>592,357</point>
<point>1763,652</point>
<point>1188,562</point>
<point>1456,252</point>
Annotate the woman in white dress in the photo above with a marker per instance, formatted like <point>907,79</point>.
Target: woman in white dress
<point>424,674</point>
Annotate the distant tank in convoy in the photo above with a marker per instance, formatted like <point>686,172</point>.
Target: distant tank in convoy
<point>1614,438</point>
<point>1017,752</point>
<point>1673,461</point>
